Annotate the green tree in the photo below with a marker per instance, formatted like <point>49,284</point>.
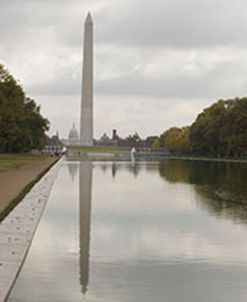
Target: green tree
<point>221,129</point>
<point>22,127</point>
<point>234,132</point>
<point>174,139</point>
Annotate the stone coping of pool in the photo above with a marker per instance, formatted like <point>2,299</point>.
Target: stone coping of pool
<point>18,228</point>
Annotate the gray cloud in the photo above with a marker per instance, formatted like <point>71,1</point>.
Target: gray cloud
<point>212,85</point>
<point>183,24</point>
<point>224,79</point>
<point>187,23</point>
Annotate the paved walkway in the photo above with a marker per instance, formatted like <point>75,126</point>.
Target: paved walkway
<point>18,228</point>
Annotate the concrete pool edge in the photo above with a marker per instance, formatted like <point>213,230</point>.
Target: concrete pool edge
<point>17,230</point>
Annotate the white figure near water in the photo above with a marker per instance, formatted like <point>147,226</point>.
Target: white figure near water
<point>133,154</point>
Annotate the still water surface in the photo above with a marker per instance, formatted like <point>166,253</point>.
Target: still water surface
<point>150,232</point>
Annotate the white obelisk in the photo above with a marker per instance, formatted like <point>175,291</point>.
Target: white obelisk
<point>86,131</point>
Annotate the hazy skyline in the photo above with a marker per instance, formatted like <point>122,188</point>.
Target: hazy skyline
<point>157,64</point>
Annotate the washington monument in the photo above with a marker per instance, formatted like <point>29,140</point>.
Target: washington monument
<point>86,128</point>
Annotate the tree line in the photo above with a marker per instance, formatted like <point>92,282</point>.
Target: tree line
<point>22,127</point>
<point>219,131</point>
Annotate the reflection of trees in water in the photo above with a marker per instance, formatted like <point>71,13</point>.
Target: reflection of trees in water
<point>221,185</point>
<point>134,168</point>
<point>174,171</point>
<point>222,204</point>
<point>85,196</point>
<point>115,167</point>
<point>104,167</point>
<point>73,170</point>
<point>113,170</point>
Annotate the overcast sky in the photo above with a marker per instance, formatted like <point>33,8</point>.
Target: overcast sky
<point>157,63</point>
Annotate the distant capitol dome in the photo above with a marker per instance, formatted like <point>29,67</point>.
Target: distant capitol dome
<point>73,136</point>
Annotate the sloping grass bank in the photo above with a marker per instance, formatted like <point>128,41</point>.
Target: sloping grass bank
<point>18,174</point>
<point>15,161</point>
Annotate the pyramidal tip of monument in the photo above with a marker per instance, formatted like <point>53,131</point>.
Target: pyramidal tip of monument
<point>89,18</point>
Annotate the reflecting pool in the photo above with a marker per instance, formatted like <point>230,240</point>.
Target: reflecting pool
<point>140,232</point>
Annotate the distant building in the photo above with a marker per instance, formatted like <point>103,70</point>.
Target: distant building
<point>73,138</point>
<point>115,138</point>
<point>53,145</point>
<point>131,141</point>
<point>104,140</point>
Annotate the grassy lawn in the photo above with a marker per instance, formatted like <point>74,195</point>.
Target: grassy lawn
<point>100,149</point>
<point>14,161</point>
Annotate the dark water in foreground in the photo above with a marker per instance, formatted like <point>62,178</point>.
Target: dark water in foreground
<point>144,232</point>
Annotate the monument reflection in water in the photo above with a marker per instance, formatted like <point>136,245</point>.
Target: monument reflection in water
<point>85,205</point>
<point>85,199</point>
